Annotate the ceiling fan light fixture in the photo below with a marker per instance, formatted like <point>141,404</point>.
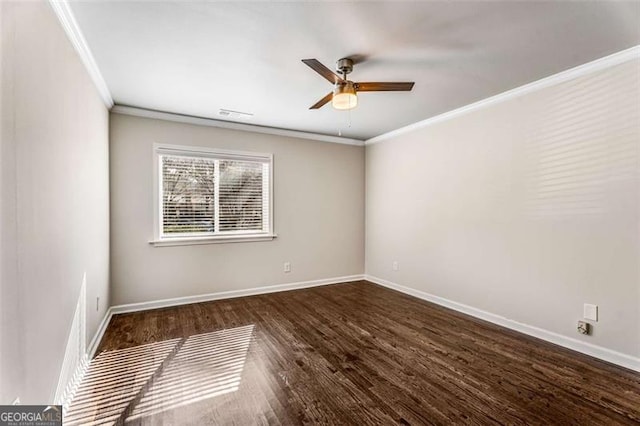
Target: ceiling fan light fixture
<point>344,96</point>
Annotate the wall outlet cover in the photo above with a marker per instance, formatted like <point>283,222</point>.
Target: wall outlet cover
<point>590,312</point>
<point>584,327</point>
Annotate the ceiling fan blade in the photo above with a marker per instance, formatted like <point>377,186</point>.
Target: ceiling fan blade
<point>322,101</point>
<point>384,87</point>
<point>315,65</point>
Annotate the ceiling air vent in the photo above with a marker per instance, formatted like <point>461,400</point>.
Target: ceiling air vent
<point>228,113</point>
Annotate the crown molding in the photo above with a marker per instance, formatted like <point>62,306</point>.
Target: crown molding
<point>561,77</point>
<point>201,121</point>
<point>65,15</point>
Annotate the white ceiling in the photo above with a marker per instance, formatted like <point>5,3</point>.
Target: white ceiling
<point>195,58</point>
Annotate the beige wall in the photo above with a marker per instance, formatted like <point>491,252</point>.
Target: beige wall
<point>55,199</point>
<point>318,211</point>
<point>526,209</point>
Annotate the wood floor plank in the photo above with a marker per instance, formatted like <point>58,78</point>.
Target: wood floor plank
<point>353,353</point>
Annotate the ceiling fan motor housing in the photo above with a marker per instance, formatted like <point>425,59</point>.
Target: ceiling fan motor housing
<point>344,66</point>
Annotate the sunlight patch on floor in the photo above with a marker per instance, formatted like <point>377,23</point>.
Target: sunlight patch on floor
<point>112,380</point>
<point>132,383</point>
<point>207,365</point>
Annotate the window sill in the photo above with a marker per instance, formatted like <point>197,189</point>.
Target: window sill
<point>189,241</point>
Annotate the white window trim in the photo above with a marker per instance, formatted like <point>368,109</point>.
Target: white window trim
<point>182,240</point>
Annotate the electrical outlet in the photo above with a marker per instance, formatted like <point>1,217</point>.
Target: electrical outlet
<point>395,265</point>
<point>590,312</point>
<point>584,327</point>
<point>287,266</point>
<point>97,303</point>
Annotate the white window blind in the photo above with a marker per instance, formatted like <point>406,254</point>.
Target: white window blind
<point>209,193</point>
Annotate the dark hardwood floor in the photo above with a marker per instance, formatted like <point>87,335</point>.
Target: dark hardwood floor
<point>348,354</point>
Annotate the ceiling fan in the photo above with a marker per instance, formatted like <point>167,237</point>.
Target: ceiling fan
<point>344,95</point>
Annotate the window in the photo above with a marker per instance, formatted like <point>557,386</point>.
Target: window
<point>209,195</point>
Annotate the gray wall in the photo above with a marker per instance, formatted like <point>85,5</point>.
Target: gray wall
<point>318,212</point>
<point>526,209</point>
<point>54,199</point>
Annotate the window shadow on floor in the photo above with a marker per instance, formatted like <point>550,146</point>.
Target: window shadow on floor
<point>129,384</point>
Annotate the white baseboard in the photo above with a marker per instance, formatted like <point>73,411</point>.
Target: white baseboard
<point>135,307</point>
<point>595,351</point>
<point>95,342</point>
<point>144,306</point>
